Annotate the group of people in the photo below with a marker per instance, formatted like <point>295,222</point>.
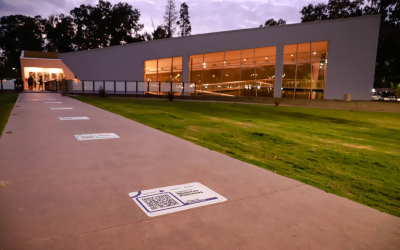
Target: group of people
<point>32,84</point>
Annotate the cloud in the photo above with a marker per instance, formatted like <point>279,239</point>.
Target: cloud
<point>205,15</point>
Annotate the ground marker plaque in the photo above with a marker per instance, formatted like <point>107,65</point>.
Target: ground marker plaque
<point>86,137</point>
<point>42,99</point>
<point>73,118</point>
<point>60,108</point>
<point>165,200</point>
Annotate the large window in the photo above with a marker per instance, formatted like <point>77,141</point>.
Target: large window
<point>304,70</point>
<point>163,70</point>
<point>249,72</point>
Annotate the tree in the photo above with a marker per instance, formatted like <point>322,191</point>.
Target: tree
<point>388,54</point>
<point>159,33</point>
<point>59,33</point>
<point>17,33</point>
<point>170,17</point>
<point>272,22</point>
<point>185,27</point>
<point>124,24</point>
<point>105,25</point>
<point>318,12</point>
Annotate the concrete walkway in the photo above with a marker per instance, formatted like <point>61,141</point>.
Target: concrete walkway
<point>70,194</point>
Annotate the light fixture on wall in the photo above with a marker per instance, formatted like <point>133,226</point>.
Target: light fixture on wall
<point>245,59</point>
<point>266,57</point>
<point>291,55</point>
<point>315,53</point>
<point>204,63</point>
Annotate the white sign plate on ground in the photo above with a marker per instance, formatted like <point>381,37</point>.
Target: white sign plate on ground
<point>86,137</point>
<point>159,201</point>
<point>60,108</point>
<point>52,102</point>
<point>43,99</point>
<point>73,118</point>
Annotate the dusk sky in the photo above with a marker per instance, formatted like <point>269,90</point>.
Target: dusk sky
<point>205,15</point>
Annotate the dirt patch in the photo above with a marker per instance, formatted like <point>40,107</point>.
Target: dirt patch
<point>350,145</point>
<point>192,138</point>
<point>3,183</point>
<point>193,128</point>
<point>228,121</point>
<point>355,138</point>
<point>358,146</point>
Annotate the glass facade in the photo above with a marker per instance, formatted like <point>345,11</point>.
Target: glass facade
<point>163,70</point>
<point>304,70</point>
<point>249,72</point>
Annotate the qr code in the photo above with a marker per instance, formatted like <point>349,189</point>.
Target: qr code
<point>160,201</point>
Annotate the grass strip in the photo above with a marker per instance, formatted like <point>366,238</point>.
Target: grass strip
<point>7,101</point>
<point>353,154</point>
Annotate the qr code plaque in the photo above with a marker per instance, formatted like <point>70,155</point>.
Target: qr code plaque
<point>159,201</point>
<point>172,199</point>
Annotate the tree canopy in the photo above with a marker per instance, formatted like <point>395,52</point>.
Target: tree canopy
<point>185,28</point>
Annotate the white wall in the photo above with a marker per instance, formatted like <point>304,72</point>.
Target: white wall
<point>352,46</point>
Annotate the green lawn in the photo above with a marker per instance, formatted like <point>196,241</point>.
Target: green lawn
<point>353,154</point>
<point>7,101</point>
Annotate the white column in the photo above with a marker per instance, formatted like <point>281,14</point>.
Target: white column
<point>185,68</point>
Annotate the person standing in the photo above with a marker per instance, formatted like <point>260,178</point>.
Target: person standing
<point>40,82</point>
<point>30,82</point>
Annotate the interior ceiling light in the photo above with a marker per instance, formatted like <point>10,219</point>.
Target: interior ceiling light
<point>291,55</point>
<point>245,59</point>
<point>315,53</point>
<point>204,63</point>
<point>266,57</point>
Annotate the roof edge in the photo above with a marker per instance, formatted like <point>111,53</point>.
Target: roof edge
<point>231,31</point>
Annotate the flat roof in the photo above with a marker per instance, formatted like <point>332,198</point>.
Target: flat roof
<point>39,54</point>
<point>231,31</point>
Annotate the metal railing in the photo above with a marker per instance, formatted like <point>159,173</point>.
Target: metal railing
<point>53,85</point>
<point>133,87</point>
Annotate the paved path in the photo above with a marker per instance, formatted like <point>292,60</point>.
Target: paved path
<point>70,194</point>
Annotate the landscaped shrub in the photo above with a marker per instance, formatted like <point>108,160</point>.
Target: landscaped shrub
<point>102,92</point>
<point>170,96</point>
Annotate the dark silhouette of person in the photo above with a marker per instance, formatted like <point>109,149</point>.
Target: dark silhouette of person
<point>40,82</point>
<point>30,82</point>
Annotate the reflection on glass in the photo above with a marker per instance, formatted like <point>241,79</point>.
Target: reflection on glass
<point>163,70</point>
<point>319,60</point>
<point>289,70</point>
<point>304,70</point>
<point>249,72</point>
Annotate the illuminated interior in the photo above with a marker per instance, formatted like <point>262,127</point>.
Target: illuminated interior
<point>249,72</point>
<point>47,74</point>
<point>304,70</point>
<point>163,70</point>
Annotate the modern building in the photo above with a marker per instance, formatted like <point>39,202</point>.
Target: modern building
<point>45,65</point>
<point>315,60</point>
